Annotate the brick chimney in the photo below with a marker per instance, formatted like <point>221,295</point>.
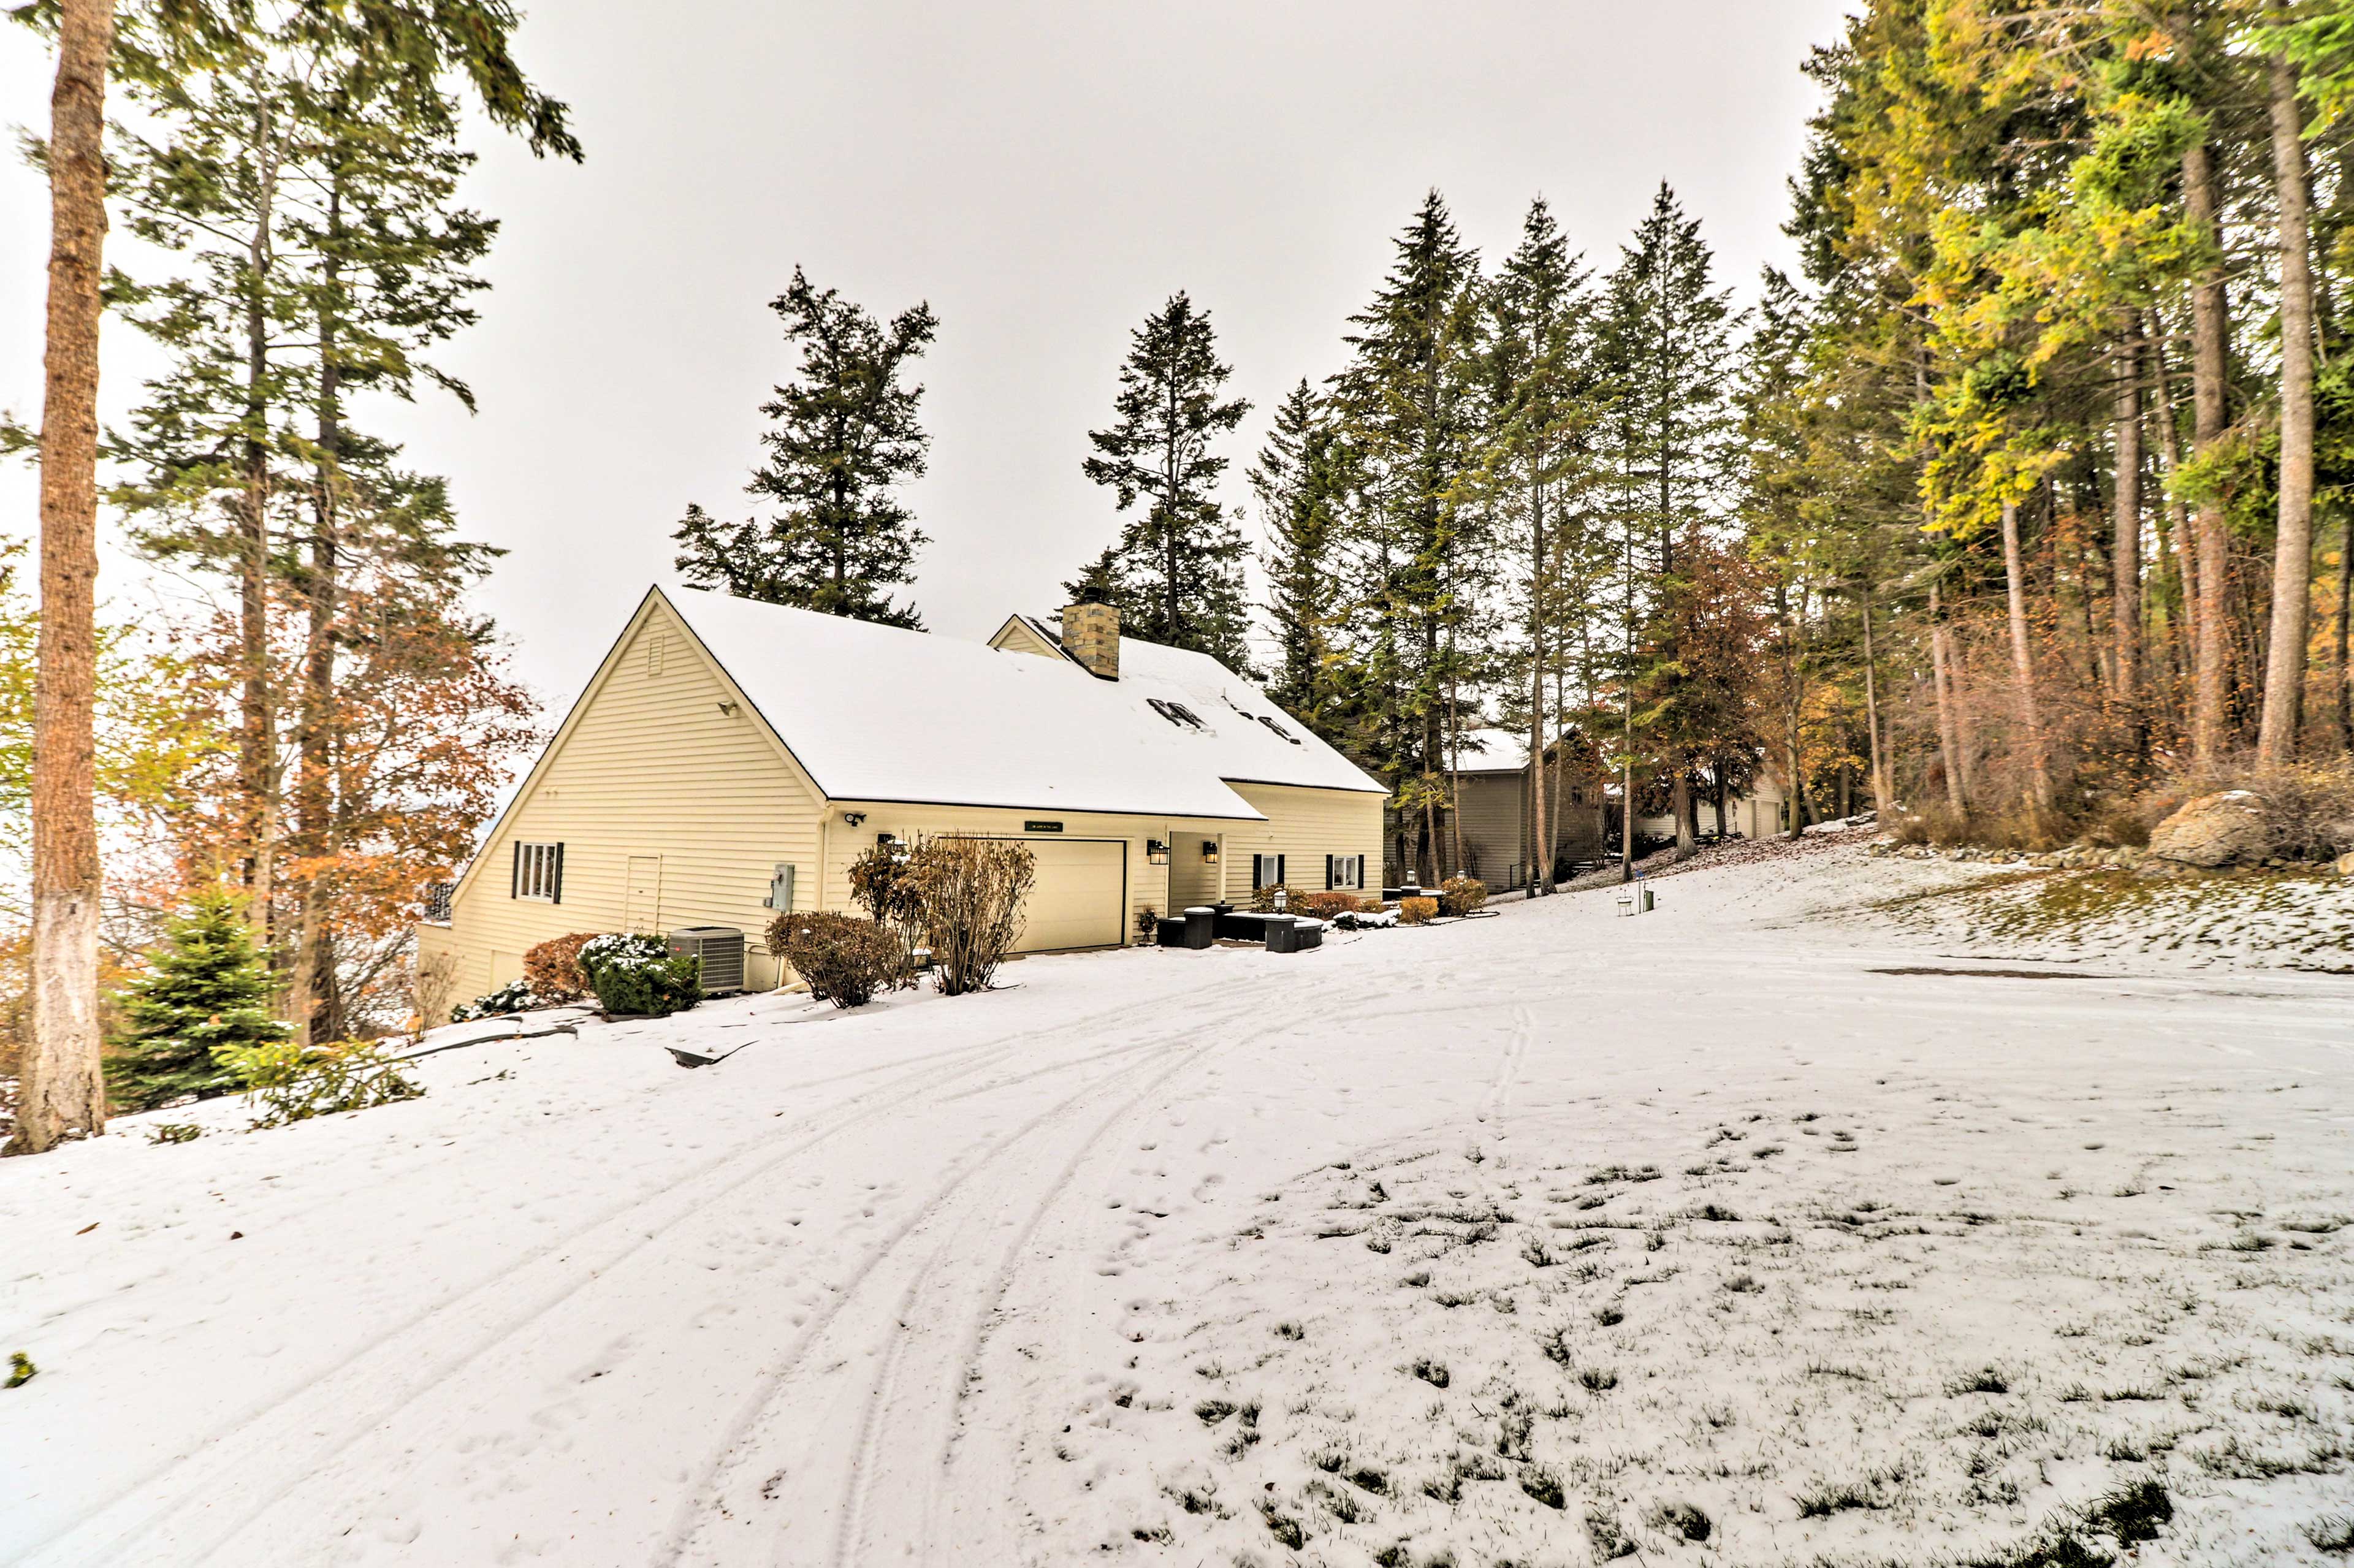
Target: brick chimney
<point>1091,634</point>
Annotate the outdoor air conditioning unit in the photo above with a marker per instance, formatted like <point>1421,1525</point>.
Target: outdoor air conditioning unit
<point>721,949</point>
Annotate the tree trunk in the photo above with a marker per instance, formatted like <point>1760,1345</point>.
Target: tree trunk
<point>1879,789</point>
<point>2174,537</point>
<point>1949,735</point>
<point>2345,612</point>
<point>61,1087</point>
<point>257,726</point>
<point>308,1004</point>
<point>2209,367</point>
<point>2022,662</point>
<point>2293,549</point>
<point>2124,554</point>
<point>1541,857</point>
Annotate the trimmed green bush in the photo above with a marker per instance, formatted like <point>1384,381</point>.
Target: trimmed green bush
<point>639,975</point>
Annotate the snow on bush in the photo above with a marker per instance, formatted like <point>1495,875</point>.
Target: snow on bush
<point>639,975</point>
<point>515,996</point>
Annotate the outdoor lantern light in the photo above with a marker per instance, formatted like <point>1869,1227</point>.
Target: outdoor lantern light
<point>1282,898</point>
<point>1156,851</point>
<point>1209,852</point>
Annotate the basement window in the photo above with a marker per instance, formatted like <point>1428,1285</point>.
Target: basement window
<point>539,873</point>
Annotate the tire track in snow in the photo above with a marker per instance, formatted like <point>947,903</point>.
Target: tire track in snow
<point>938,1402</point>
<point>689,1192</point>
<point>701,1503</point>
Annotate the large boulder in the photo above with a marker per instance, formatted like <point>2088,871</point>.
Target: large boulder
<point>2227,828</point>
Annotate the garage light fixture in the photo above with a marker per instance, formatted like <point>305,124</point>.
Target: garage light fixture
<point>1156,851</point>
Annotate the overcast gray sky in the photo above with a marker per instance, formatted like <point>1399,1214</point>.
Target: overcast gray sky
<point>1045,175</point>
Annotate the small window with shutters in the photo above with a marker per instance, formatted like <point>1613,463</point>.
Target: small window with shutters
<point>1266,871</point>
<point>1344,871</point>
<point>539,873</point>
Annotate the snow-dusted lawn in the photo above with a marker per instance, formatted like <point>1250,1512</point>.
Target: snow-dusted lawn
<point>1523,1240</point>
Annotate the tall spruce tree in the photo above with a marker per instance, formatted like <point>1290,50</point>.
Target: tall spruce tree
<point>1670,343</point>
<point>1176,573</point>
<point>208,987</point>
<point>1302,489</point>
<point>1545,399</point>
<point>1411,406</point>
<point>845,435</point>
<point>308,180</point>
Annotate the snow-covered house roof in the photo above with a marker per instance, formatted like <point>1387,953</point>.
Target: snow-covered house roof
<point>875,713</point>
<point>1225,724</point>
<point>1493,751</point>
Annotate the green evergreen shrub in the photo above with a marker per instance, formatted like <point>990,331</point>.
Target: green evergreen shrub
<point>208,990</point>
<point>639,975</point>
<point>515,996</point>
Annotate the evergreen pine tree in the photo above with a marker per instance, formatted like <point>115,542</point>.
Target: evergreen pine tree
<point>1544,397</point>
<point>1670,340</point>
<point>208,988</point>
<point>1176,573</point>
<point>1412,407</point>
<point>845,435</point>
<point>1300,483</point>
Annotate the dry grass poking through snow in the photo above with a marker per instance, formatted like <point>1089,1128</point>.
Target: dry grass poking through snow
<point>1809,1335</point>
<point>2276,920</point>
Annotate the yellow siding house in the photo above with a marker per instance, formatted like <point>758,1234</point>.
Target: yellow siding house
<point>730,758</point>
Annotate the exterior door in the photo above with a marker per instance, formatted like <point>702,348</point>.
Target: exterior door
<point>642,904</point>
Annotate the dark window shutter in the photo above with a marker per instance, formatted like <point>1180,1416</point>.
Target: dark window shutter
<point>1259,872</point>
<point>514,875</point>
<point>1278,870</point>
<point>1330,861</point>
<point>556,886</point>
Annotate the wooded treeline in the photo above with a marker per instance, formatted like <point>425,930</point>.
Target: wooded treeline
<point>319,723</point>
<point>2065,415</point>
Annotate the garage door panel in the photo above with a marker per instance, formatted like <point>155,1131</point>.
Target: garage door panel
<point>1078,897</point>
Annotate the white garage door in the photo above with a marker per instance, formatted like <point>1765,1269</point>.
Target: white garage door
<point>1079,899</point>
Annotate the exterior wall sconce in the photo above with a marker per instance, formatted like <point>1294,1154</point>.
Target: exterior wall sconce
<point>1156,851</point>
<point>853,818</point>
<point>1209,852</point>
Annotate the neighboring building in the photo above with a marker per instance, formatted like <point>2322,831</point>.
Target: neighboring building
<point>730,757</point>
<point>1498,827</point>
<point>1759,812</point>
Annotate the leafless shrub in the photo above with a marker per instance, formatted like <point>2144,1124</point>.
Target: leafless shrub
<point>971,892</point>
<point>432,988</point>
<point>552,968</point>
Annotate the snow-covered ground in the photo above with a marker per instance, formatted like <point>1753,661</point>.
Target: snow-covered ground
<point>1533,1239</point>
